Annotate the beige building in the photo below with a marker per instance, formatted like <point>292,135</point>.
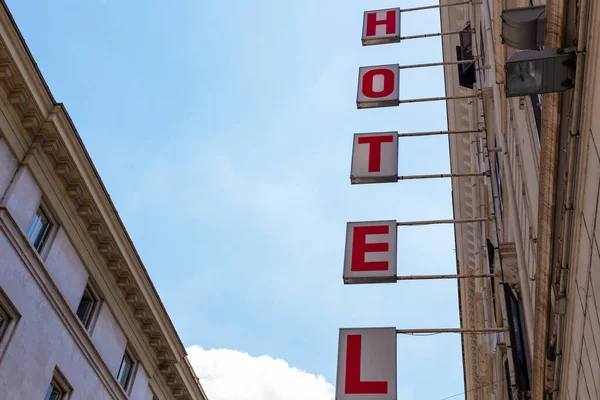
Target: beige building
<point>542,157</point>
<point>79,316</point>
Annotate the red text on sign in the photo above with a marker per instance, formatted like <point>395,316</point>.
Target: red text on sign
<point>368,83</point>
<point>360,248</point>
<point>353,383</point>
<point>375,144</point>
<point>389,21</point>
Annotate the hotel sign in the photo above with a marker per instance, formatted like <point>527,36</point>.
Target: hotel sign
<point>378,86</point>
<point>366,364</point>
<point>371,250</point>
<point>374,158</point>
<point>367,356</point>
<point>381,27</point>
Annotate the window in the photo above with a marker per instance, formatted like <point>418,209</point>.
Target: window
<point>54,392</point>
<point>507,377</point>
<point>87,306</point>
<point>499,185</point>
<point>59,388</point>
<point>9,318</point>
<point>39,229</point>
<point>490,256</point>
<point>517,339</point>
<point>3,321</point>
<point>466,72</point>
<point>125,370</point>
<point>536,107</point>
<point>498,181</point>
<point>481,50</point>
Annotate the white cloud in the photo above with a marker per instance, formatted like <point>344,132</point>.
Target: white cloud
<point>229,374</point>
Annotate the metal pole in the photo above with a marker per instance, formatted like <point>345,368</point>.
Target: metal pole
<point>424,277</point>
<point>415,134</point>
<point>437,64</point>
<point>469,96</point>
<point>427,35</point>
<point>433,176</point>
<point>436,6</point>
<point>443,221</point>
<point>450,330</point>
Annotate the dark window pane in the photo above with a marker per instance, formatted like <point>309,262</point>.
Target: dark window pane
<point>536,106</point>
<point>517,339</point>
<point>86,307</point>
<point>490,255</point>
<point>499,186</point>
<point>466,72</point>
<point>38,230</point>
<point>125,370</point>
<point>53,393</point>
<point>507,376</point>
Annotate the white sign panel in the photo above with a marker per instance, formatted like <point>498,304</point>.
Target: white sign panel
<point>371,250</point>
<point>381,26</point>
<point>366,364</point>
<point>378,86</point>
<point>374,158</point>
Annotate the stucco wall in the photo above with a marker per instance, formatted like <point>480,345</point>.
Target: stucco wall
<point>66,269</point>
<point>40,341</point>
<point>23,198</point>
<point>140,389</point>
<point>109,339</point>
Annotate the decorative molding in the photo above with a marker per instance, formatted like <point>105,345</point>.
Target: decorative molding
<point>463,115</point>
<point>17,97</point>
<point>95,229</point>
<point>5,71</point>
<point>51,145</point>
<point>510,268</point>
<point>62,168</point>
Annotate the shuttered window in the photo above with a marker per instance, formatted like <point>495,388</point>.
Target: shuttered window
<point>517,339</point>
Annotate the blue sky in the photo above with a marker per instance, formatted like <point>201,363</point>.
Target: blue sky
<point>223,132</point>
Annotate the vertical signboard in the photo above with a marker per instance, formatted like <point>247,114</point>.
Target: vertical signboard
<point>371,250</point>
<point>374,158</point>
<point>378,86</point>
<point>381,26</point>
<point>366,364</point>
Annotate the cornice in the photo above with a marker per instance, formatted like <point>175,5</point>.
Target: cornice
<point>48,123</point>
<point>462,115</point>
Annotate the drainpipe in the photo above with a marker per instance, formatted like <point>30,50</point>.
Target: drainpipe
<point>553,38</point>
<point>507,170</point>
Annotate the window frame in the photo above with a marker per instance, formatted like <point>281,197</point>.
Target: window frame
<point>4,321</point>
<point>129,378</point>
<point>54,386</point>
<point>518,340</point>
<point>45,236</point>
<point>59,382</point>
<point>11,319</point>
<point>508,388</point>
<point>535,102</point>
<point>498,173</point>
<point>90,318</point>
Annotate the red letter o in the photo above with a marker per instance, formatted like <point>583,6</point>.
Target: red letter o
<point>369,81</point>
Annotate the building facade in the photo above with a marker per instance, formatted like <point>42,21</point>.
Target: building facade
<point>540,159</point>
<point>79,316</point>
